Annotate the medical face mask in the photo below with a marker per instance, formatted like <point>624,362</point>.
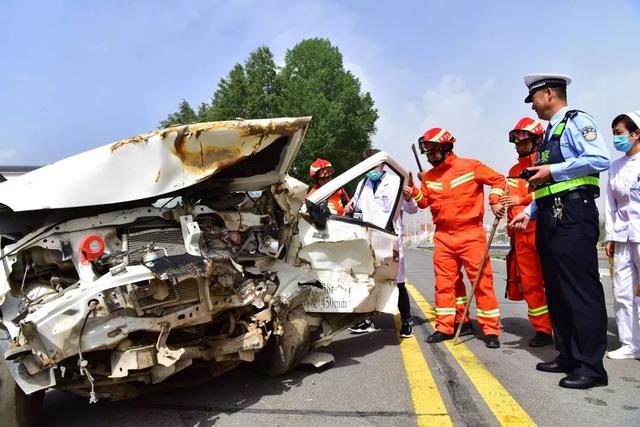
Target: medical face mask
<point>374,175</point>
<point>622,143</point>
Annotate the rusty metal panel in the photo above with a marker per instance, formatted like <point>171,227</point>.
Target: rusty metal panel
<point>152,164</point>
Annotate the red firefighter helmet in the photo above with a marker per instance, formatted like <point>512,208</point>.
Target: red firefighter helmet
<point>320,168</point>
<point>526,128</point>
<point>433,137</point>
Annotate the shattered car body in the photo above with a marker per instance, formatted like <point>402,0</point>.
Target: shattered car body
<point>185,246</point>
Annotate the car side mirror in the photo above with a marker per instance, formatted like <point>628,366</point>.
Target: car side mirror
<point>319,213</point>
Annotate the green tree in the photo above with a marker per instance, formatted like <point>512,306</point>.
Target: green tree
<point>183,116</point>
<point>251,91</point>
<point>263,85</point>
<point>230,99</point>
<point>313,82</point>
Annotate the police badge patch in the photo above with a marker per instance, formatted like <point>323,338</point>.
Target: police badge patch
<point>589,133</point>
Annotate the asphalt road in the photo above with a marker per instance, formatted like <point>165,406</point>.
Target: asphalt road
<point>369,385</point>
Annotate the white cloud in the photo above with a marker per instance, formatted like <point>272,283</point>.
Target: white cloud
<point>450,104</point>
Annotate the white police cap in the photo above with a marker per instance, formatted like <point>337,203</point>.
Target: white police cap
<point>540,81</point>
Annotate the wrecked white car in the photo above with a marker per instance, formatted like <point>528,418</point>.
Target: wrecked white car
<point>126,264</point>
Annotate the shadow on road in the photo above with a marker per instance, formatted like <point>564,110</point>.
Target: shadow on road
<point>204,400</point>
<point>521,328</point>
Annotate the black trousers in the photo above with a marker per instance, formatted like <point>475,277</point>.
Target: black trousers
<point>575,296</point>
<point>403,302</point>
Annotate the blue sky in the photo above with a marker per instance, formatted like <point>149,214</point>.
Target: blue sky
<point>76,75</point>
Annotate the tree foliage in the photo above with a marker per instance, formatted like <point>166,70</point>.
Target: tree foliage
<point>312,82</point>
<point>184,115</point>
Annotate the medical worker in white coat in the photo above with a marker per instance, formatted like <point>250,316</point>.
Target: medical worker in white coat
<point>375,201</point>
<point>622,222</point>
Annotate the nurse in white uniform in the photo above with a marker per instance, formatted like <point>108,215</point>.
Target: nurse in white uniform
<point>622,216</point>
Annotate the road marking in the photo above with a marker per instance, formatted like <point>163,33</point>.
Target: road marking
<point>506,409</point>
<point>427,400</point>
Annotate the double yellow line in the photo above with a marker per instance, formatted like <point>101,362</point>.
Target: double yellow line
<point>427,399</point>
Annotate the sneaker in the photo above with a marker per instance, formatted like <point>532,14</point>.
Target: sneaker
<point>362,327</point>
<point>492,341</point>
<point>624,352</point>
<point>540,340</point>
<point>406,330</point>
<point>438,336</point>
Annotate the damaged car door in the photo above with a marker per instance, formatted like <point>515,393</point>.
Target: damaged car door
<point>356,261</point>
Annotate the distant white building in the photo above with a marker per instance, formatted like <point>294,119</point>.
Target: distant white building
<point>9,172</point>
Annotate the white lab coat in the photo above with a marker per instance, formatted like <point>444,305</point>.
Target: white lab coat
<point>622,222</point>
<point>622,208</point>
<point>376,209</point>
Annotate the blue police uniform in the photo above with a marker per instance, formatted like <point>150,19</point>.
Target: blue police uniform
<point>566,236</point>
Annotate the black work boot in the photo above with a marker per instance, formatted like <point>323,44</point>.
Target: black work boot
<point>467,329</point>
<point>540,340</point>
<point>438,336</point>
<point>492,341</point>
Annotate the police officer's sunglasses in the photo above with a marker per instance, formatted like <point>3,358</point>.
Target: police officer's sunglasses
<point>426,146</point>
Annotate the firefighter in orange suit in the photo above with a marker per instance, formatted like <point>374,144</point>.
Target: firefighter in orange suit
<point>527,135</point>
<point>453,189</point>
<point>321,172</point>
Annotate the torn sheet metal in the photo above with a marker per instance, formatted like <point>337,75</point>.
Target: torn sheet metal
<point>155,163</point>
<point>318,359</point>
<point>290,195</point>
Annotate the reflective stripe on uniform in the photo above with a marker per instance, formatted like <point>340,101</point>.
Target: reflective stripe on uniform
<point>560,128</point>
<point>418,196</point>
<point>497,191</point>
<point>445,311</point>
<point>462,179</point>
<point>462,300</point>
<point>434,185</point>
<point>512,182</point>
<point>488,313</point>
<point>538,311</point>
<point>565,185</point>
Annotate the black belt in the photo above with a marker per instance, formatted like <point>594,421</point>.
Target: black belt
<point>574,193</point>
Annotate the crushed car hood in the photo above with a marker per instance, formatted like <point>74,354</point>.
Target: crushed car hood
<point>244,154</point>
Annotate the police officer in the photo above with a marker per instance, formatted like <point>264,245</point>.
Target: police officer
<point>566,183</point>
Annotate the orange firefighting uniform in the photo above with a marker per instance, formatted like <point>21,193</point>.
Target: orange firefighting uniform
<point>337,201</point>
<point>454,192</point>
<point>527,260</point>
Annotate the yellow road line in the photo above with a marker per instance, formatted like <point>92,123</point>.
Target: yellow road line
<point>506,409</point>
<point>427,400</point>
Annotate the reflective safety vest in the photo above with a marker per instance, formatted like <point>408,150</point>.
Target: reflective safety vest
<point>549,153</point>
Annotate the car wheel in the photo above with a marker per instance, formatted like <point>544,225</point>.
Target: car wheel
<point>17,408</point>
<point>283,352</point>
